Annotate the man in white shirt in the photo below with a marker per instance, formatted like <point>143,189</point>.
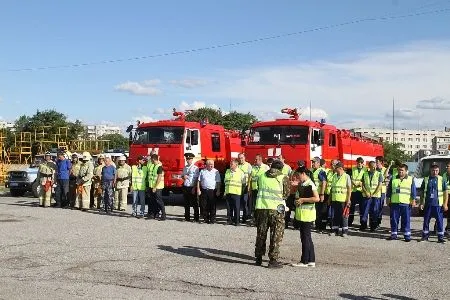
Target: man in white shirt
<point>190,177</point>
<point>208,188</point>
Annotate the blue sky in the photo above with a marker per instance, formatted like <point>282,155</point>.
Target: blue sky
<point>350,73</point>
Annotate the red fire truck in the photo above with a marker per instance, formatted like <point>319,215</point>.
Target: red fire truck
<point>296,139</point>
<point>171,139</point>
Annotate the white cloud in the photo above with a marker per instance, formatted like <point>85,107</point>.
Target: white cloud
<point>143,119</point>
<point>189,83</point>
<point>404,113</point>
<point>144,88</point>
<point>363,85</point>
<point>434,103</point>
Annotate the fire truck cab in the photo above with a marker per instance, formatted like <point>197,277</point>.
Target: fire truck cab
<point>297,139</point>
<point>171,139</point>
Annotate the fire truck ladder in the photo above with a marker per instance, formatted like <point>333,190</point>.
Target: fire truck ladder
<point>61,138</point>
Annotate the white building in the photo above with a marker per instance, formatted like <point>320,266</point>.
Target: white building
<point>6,125</point>
<point>96,131</point>
<point>412,140</point>
<point>440,144</point>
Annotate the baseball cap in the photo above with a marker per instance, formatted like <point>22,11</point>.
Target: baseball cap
<point>316,159</point>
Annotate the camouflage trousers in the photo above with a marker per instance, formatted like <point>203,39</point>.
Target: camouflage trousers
<point>266,219</point>
<point>108,195</point>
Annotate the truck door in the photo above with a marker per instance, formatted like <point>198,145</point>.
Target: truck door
<point>316,143</point>
<point>192,143</point>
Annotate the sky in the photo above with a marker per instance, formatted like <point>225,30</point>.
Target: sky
<point>350,73</point>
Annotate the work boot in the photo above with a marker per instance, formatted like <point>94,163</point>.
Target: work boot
<point>258,261</point>
<point>274,264</point>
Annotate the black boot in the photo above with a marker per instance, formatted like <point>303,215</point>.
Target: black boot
<point>274,264</point>
<point>258,261</point>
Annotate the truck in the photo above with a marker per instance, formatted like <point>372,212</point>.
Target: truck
<point>297,139</point>
<point>172,139</point>
<point>423,167</point>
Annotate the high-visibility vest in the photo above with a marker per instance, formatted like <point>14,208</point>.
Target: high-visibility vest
<point>394,172</point>
<point>233,182</point>
<point>317,182</point>
<point>339,188</point>
<point>138,177</point>
<point>270,192</point>
<point>307,211</point>
<point>245,167</point>
<point>383,185</point>
<point>76,169</point>
<point>401,190</point>
<point>439,189</point>
<point>153,174</point>
<point>372,185</point>
<point>357,178</point>
<point>286,170</point>
<point>330,175</point>
<point>150,173</point>
<point>446,178</point>
<point>256,172</point>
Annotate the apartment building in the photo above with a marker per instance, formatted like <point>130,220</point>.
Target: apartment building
<point>96,131</point>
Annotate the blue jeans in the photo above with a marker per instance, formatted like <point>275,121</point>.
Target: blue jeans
<point>437,213</point>
<point>138,198</point>
<point>404,211</point>
<point>233,213</point>
<point>369,210</point>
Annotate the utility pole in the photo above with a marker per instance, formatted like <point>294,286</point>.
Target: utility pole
<point>310,119</point>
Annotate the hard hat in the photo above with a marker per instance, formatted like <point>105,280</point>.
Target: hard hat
<point>107,155</point>
<point>86,155</point>
<point>123,158</point>
<point>48,153</point>
<point>74,155</point>
<point>101,156</point>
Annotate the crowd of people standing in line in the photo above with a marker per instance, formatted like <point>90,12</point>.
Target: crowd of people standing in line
<point>266,193</point>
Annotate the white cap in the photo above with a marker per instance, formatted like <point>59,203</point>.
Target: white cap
<point>122,158</point>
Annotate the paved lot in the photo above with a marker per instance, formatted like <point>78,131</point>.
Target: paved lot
<point>48,253</point>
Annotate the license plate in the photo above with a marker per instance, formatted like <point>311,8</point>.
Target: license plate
<point>13,184</point>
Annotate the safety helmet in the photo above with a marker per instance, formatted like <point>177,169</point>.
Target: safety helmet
<point>48,153</point>
<point>101,156</point>
<point>74,155</point>
<point>86,155</point>
<point>123,158</point>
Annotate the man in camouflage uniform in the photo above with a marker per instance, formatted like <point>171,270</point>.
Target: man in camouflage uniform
<point>273,190</point>
<point>46,174</point>
<point>122,183</point>
<point>84,182</point>
<point>97,183</point>
<point>74,171</point>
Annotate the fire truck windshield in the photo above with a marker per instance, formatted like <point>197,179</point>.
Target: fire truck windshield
<point>283,135</point>
<point>159,135</point>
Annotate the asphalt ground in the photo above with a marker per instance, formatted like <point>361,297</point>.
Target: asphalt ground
<point>49,253</point>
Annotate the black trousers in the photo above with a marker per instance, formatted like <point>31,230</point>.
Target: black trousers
<point>308,254</point>
<point>62,192</point>
<point>157,203</point>
<point>321,215</point>
<point>290,203</point>
<point>208,204</point>
<point>190,200</point>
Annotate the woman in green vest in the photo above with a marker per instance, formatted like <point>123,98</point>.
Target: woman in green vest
<point>305,213</point>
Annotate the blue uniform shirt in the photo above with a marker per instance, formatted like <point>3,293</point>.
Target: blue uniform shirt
<point>63,169</point>
<point>413,189</point>
<point>431,197</point>
<point>322,176</point>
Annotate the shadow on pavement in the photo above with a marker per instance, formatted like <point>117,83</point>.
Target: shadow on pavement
<point>385,297</point>
<point>206,253</point>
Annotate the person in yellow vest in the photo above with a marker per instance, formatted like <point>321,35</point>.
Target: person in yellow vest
<point>319,176</point>
<point>294,181</point>
<point>446,178</point>
<point>97,183</point>
<point>330,174</point>
<point>434,201</point>
<point>400,196</point>
<point>305,212</point>
<point>84,182</point>
<point>74,171</point>
<point>258,169</point>
<point>379,160</point>
<point>234,180</point>
<point>46,177</point>
<point>341,191</point>
<point>370,203</point>
<point>122,183</point>
<point>357,196</point>
<point>138,186</point>
<point>156,184</point>
<point>246,168</point>
<point>273,190</point>
<point>287,170</point>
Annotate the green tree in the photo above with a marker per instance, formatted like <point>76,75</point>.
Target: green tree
<point>116,141</point>
<point>392,152</point>
<point>238,121</point>
<point>214,116</point>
